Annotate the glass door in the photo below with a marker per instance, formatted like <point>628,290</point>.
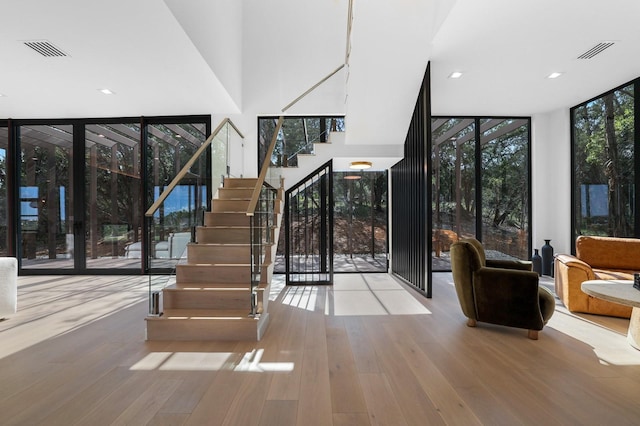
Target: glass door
<point>46,224</point>
<point>112,196</point>
<point>360,221</point>
<point>170,146</point>
<point>4,217</point>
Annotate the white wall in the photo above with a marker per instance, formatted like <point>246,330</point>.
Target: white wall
<point>551,180</point>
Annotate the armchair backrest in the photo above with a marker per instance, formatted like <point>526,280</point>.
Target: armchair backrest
<point>465,260</point>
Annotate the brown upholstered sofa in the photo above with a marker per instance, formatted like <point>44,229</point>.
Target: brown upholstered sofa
<point>597,258</point>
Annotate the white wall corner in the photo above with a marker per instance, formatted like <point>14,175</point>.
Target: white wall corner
<point>551,180</point>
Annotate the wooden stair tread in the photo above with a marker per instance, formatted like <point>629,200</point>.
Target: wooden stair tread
<point>208,286</point>
<point>205,314</point>
<point>230,226</point>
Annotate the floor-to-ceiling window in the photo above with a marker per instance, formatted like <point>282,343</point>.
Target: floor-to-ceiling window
<point>604,164</point>
<point>79,193</point>
<point>481,185</point>
<point>4,145</point>
<point>360,221</point>
<point>112,194</point>
<point>169,147</point>
<point>46,217</point>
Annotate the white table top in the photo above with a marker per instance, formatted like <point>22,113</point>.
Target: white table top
<point>618,291</point>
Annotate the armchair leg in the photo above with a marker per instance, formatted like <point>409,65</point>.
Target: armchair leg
<point>533,334</point>
<point>471,322</point>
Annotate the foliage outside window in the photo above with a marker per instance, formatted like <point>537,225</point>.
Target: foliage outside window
<point>480,185</point>
<point>4,144</point>
<point>603,158</point>
<point>297,136</point>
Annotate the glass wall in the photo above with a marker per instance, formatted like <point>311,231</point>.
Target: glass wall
<point>112,194</point>
<point>297,136</point>
<point>4,145</point>
<point>604,172</point>
<point>360,221</point>
<point>505,174</point>
<point>170,146</point>
<point>481,186</point>
<point>45,194</point>
<point>78,194</point>
<point>453,185</point>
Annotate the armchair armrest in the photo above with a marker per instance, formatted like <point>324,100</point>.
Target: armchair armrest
<point>522,265</point>
<point>508,297</point>
<point>569,275</point>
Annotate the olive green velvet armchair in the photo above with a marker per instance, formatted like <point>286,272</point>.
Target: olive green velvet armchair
<point>499,291</point>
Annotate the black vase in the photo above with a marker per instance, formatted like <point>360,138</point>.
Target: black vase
<point>536,261</point>
<point>547,257</point>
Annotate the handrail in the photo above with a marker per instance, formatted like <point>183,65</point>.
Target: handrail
<point>312,88</point>
<point>185,169</point>
<point>307,143</point>
<point>265,168</point>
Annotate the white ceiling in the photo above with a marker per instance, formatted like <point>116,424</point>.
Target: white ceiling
<point>506,49</point>
<point>250,57</point>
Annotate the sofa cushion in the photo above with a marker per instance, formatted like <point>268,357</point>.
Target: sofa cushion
<point>609,252</point>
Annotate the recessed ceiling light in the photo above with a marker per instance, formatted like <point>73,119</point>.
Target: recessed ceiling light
<point>106,91</point>
<point>2,95</point>
<point>554,75</point>
<point>455,74</point>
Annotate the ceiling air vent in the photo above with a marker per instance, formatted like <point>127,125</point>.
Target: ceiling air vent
<point>598,48</point>
<point>45,48</point>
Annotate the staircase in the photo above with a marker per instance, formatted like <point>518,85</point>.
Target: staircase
<point>337,148</point>
<point>211,296</point>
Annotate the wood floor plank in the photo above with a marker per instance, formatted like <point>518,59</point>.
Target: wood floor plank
<point>416,406</point>
<point>448,403</point>
<point>383,407</point>
<point>346,393</point>
<point>350,419</point>
<point>361,346</point>
<point>314,403</point>
<point>278,413</point>
<point>144,408</point>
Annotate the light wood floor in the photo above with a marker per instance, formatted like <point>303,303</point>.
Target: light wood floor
<point>367,351</point>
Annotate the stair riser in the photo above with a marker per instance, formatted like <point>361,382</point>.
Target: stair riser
<point>222,235</point>
<point>221,274</point>
<point>202,253</point>
<point>228,193</point>
<point>220,205</point>
<point>208,299</point>
<point>240,182</point>
<point>226,219</point>
<point>213,274</point>
<point>206,330</point>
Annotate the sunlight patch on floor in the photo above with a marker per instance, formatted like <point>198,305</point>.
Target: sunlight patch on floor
<point>370,294</point>
<point>50,307</point>
<point>210,361</point>
<point>607,336</point>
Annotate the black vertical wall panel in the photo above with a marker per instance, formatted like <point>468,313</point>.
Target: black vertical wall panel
<point>410,194</point>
